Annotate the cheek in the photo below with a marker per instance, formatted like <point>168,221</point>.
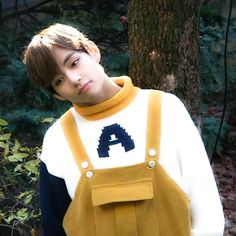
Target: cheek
<point>58,90</point>
<point>63,90</point>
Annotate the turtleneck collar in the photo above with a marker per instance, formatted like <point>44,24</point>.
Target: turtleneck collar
<point>113,105</point>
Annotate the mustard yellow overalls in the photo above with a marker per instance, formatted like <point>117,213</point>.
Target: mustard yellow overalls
<point>138,200</point>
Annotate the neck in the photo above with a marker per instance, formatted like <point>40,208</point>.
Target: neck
<point>121,94</point>
<point>110,88</point>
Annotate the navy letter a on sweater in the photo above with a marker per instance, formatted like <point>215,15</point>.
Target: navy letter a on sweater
<point>111,135</point>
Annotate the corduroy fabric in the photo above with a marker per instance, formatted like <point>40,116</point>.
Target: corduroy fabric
<point>127,201</point>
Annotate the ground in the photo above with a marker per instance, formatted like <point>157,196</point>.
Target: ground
<point>225,173</point>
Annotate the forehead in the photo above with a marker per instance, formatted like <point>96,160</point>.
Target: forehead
<point>62,55</point>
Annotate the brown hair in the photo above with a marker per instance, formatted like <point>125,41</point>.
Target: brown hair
<point>38,56</point>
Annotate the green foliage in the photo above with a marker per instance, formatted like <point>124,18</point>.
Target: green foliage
<point>212,85</point>
<point>19,209</point>
<point>116,63</point>
<point>27,108</point>
<point>23,104</point>
<point>210,127</point>
<point>211,16</point>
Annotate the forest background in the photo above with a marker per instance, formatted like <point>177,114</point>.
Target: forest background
<point>26,111</point>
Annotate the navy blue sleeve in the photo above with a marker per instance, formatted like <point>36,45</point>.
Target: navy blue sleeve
<point>54,201</point>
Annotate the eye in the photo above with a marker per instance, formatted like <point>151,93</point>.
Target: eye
<point>58,81</point>
<point>75,62</point>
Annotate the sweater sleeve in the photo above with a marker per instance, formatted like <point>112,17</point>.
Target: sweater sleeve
<point>199,183</point>
<point>54,201</point>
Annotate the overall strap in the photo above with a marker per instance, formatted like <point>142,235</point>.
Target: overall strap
<point>73,138</point>
<point>153,134</point>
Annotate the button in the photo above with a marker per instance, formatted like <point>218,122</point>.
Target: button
<point>151,164</point>
<point>89,174</point>
<point>152,152</point>
<point>84,164</point>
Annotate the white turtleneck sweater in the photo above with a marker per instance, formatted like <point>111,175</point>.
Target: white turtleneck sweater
<point>182,153</point>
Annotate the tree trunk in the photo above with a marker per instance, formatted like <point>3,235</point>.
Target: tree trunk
<point>164,47</point>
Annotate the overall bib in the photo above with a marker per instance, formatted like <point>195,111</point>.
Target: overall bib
<point>137,200</point>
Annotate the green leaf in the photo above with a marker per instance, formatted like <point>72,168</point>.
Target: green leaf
<point>48,120</point>
<point>24,149</point>
<point>28,198</point>
<point>23,194</point>
<point>36,215</point>
<point>17,157</point>
<point>10,218</point>
<point>3,145</point>
<point>16,146</point>
<point>6,151</point>
<point>22,214</point>
<point>2,216</point>
<point>2,195</point>
<point>3,122</point>
<point>18,168</point>
<point>31,166</point>
<point>5,136</point>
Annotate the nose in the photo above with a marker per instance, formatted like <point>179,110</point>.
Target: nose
<point>73,78</point>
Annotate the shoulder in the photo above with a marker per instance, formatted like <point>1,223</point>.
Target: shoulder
<point>176,120</point>
<point>54,148</point>
<point>171,100</point>
<point>167,98</point>
<point>170,103</point>
<point>174,106</point>
<point>53,132</point>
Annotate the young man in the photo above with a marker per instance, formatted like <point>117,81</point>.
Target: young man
<point>123,160</point>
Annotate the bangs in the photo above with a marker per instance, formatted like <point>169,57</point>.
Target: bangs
<point>40,62</point>
<point>38,56</point>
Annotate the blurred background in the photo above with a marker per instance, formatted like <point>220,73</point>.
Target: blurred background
<point>26,111</point>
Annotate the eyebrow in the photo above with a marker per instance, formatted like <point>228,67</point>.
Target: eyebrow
<point>68,57</point>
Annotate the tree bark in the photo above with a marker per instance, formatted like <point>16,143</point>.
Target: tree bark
<point>164,47</point>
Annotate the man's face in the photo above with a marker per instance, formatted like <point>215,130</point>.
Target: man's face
<point>80,79</point>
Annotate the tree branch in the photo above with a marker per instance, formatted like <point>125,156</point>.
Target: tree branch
<point>23,11</point>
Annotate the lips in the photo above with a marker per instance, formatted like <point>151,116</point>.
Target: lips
<point>84,88</point>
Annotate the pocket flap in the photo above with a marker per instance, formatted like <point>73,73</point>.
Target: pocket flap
<point>122,192</point>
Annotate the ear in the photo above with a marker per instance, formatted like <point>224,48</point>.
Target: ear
<point>59,97</point>
<point>93,50</point>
